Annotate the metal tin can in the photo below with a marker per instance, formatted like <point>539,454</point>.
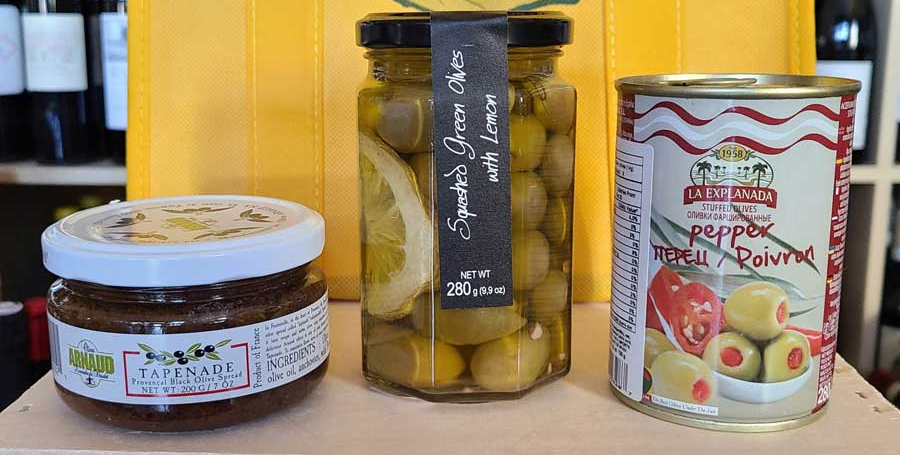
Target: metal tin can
<point>730,218</point>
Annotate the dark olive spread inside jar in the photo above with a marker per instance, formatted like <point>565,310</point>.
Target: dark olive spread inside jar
<point>214,330</point>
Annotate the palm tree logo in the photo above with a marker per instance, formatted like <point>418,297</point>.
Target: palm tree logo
<point>760,170</point>
<point>704,167</point>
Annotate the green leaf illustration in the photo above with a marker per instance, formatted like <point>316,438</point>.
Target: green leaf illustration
<point>214,356</point>
<point>223,343</point>
<point>802,312</point>
<point>193,347</point>
<point>192,358</point>
<point>146,348</point>
<point>170,362</point>
<point>148,362</point>
<point>166,353</point>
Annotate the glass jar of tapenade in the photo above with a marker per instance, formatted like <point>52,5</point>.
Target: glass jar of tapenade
<point>187,313</point>
<point>466,157</point>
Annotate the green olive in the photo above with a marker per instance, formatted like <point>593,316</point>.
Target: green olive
<point>531,259</point>
<point>369,105</point>
<point>422,165</point>
<point>655,343</point>
<point>560,341</point>
<point>407,119</point>
<point>561,258</point>
<point>554,106</point>
<point>521,105</point>
<point>415,361</point>
<point>759,310</point>
<point>786,357</point>
<point>465,326</point>
<point>381,333</point>
<point>558,165</point>
<point>733,355</point>
<point>528,199</point>
<point>683,377</point>
<point>527,139</point>
<point>557,223</point>
<point>514,362</point>
<point>551,296</point>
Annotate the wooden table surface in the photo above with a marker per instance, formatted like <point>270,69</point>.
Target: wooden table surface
<point>575,415</point>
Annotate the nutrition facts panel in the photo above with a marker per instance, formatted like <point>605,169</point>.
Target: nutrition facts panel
<point>631,239</point>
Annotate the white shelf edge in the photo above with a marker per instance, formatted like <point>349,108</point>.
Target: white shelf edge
<point>104,173</point>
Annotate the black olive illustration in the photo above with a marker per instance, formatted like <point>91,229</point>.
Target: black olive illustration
<point>151,356</point>
<point>199,353</point>
<point>160,358</point>
<point>209,348</point>
<point>179,354</point>
<point>183,361</point>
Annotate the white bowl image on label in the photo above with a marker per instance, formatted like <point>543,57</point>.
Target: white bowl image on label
<point>760,392</point>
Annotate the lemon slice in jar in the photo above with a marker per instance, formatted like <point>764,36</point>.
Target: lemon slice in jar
<point>397,244</point>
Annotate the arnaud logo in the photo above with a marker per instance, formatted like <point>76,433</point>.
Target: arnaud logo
<point>93,366</point>
<point>732,173</point>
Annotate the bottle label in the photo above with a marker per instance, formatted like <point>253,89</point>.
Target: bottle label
<point>189,367</point>
<point>726,266</point>
<point>55,58</point>
<point>471,158</point>
<point>860,70</point>
<point>12,68</point>
<point>114,55</point>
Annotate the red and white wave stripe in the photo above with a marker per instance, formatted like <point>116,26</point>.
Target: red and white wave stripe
<point>740,110</point>
<point>738,124</point>
<point>742,140</point>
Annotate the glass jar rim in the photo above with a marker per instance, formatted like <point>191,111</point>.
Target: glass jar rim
<point>412,30</point>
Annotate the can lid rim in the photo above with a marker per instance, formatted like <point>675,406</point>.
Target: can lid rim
<point>738,86</point>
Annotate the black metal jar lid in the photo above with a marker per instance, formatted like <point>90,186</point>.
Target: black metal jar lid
<point>526,29</point>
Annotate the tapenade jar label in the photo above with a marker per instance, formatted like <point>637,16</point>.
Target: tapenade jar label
<point>730,220</point>
<point>190,367</point>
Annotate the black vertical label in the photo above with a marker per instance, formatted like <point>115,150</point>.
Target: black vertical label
<point>471,158</point>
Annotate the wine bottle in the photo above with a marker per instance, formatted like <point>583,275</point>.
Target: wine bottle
<point>56,75</point>
<point>96,130</point>
<point>12,84</point>
<point>846,41</point>
<point>114,58</point>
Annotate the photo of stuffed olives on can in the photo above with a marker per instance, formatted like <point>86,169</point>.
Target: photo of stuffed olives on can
<point>412,344</point>
<point>750,352</point>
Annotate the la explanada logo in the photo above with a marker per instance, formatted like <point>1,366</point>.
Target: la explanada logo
<point>732,174</point>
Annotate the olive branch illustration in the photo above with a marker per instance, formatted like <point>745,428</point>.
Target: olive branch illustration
<point>249,215</point>
<point>142,235</point>
<point>198,210</point>
<point>192,354</point>
<point>224,233</point>
<point>128,221</point>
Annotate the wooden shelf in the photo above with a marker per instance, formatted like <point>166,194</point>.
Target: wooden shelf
<point>104,173</point>
<point>577,415</point>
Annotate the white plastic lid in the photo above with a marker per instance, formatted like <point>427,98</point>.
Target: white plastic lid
<point>183,241</point>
